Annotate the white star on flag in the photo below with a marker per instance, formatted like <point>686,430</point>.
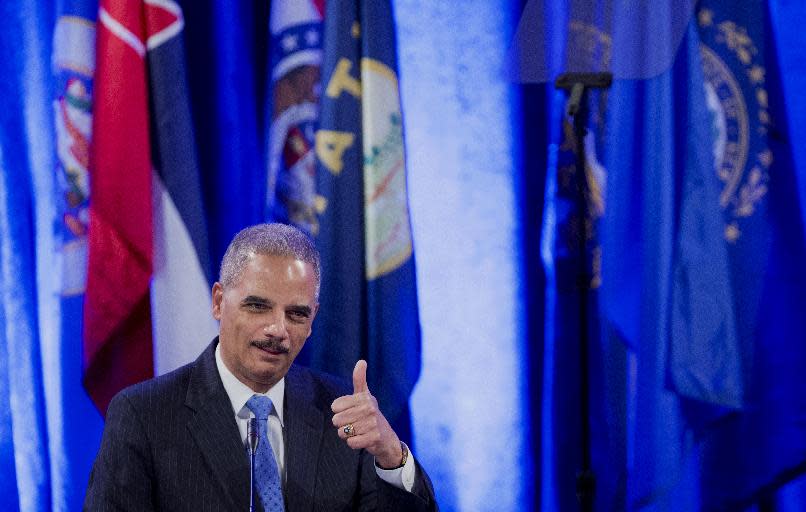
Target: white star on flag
<point>289,42</point>
<point>312,37</point>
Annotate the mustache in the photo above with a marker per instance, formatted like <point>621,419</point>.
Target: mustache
<point>273,345</point>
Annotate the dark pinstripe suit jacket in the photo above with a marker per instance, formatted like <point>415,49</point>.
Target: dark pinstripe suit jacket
<point>171,443</point>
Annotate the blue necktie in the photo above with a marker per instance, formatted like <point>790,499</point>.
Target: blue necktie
<point>267,478</point>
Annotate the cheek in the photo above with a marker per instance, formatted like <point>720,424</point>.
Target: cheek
<point>299,335</point>
<point>237,328</point>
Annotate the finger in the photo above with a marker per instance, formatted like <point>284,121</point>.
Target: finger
<point>361,405</point>
<point>363,441</point>
<point>362,410</point>
<point>359,428</point>
<point>360,377</point>
<point>350,415</point>
<point>343,403</point>
<point>342,434</point>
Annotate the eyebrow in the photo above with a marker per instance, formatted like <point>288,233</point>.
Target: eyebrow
<point>251,299</point>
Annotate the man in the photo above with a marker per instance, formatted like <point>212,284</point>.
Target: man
<point>179,441</point>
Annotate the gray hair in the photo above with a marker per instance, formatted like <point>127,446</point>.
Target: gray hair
<point>269,239</point>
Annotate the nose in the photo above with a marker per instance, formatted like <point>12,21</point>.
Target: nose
<point>276,327</point>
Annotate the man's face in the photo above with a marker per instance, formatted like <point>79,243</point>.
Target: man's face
<point>266,316</point>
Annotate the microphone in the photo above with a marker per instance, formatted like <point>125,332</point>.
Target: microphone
<point>252,435</point>
<point>252,439</point>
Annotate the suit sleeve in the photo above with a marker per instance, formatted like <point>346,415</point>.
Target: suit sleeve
<point>379,495</point>
<point>122,475</point>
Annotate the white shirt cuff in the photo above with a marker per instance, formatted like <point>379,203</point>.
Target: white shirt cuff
<point>402,478</point>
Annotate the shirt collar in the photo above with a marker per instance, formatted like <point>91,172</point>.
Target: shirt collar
<point>239,393</point>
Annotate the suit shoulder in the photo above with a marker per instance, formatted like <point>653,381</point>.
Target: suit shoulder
<point>170,387</point>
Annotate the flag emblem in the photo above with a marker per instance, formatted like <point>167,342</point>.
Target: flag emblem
<point>388,237</point>
<point>737,101</point>
<point>296,58</point>
<point>74,64</point>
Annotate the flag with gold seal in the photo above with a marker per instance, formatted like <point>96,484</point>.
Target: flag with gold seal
<point>758,448</point>
<point>369,300</point>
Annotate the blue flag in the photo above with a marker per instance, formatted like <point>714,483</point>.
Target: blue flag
<point>223,74</point>
<point>369,302</point>
<point>665,287</point>
<point>759,447</point>
<point>65,245</point>
<point>702,237</point>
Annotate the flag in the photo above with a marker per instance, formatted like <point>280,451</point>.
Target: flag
<point>225,69</point>
<point>368,301</point>
<point>293,112</point>
<point>117,308</point>
<point>63,198</point>
<point>183,271</point>
<point>667,211</point>
<point>666,292</point>
<point>715,414</point>
<point>753,451</point>
<point>142,122</point>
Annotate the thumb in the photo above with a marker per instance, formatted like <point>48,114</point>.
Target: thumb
<point>360,377</point>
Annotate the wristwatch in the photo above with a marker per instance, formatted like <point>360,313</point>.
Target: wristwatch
<point>403,459</point>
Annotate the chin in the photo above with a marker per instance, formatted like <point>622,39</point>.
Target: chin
<point>270,374</point>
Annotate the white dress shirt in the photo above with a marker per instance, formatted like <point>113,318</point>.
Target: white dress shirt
<point>239,393</point>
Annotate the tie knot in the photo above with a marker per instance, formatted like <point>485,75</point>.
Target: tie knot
<point>261,406</point>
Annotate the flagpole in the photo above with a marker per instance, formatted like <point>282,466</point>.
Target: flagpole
<point>578,85</point>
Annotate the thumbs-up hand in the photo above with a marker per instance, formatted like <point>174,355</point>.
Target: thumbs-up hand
<point>360,422</point>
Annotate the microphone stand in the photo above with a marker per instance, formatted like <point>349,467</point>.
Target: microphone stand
<point>252,439</point>
<point>577,107</point>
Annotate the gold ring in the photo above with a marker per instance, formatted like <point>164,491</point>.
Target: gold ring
<point>349,430</point>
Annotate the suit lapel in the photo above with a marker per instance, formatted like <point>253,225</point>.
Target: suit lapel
<point>214,429</point>
<point>303,437</point>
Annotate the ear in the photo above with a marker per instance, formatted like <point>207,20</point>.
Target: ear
<point>313,316</point>
<point>218,298</point>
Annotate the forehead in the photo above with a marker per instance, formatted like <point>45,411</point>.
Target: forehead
<point>267,273</point>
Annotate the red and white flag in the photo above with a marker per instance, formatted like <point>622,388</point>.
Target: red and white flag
<point>117,314</point>
<point>118,348</point>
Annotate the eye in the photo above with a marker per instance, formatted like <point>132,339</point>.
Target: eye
<point>298,316</point>
<point>256,306</point>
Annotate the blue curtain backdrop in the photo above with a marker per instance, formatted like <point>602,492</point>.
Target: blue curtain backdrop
<point>25,440</point>
<point>495,411</point>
